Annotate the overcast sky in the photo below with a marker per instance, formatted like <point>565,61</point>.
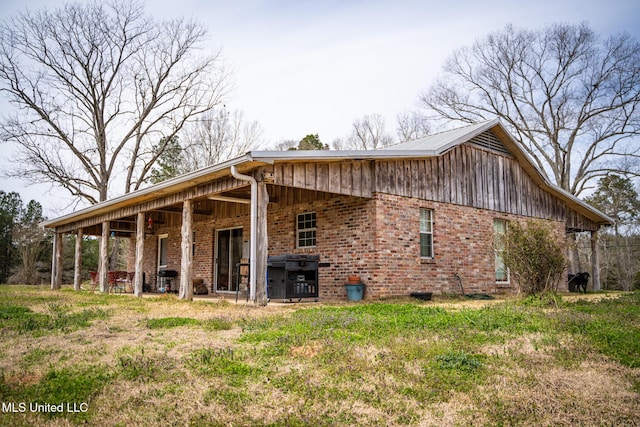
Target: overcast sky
<point>304,67</point>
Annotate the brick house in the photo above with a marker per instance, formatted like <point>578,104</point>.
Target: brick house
<point>417,216</point>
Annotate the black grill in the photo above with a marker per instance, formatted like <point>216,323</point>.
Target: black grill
<point>166,282</point>
<point>167,273</point>
<point>292,276</point>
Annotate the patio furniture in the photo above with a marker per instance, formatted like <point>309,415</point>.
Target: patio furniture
<point>129,282</point>
<point>94,280</point>
<point>118,281</point>
<point>243,277</point>
<point>199,288</point>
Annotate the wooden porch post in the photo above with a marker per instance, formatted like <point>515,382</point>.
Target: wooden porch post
<point>262,244</point>
<point>186,282</point>
<point>103,260</point>
<point>77,265</point>
<point>138,277</point>
<point>595,261</point>
<point>574,258</point>
<point>56,263</point>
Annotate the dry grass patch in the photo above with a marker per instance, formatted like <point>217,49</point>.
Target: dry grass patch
<point>590,395</point>
<point>457,411</point>
<point>161,361</point>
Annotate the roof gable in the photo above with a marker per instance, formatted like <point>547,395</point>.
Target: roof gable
<point>444,141</point>
<point>489,141</point>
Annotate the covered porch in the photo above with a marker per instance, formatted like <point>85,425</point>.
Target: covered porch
<point>188,223</point>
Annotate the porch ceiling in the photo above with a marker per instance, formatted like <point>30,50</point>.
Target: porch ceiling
<point>171,193</point>
<point>223,204</point>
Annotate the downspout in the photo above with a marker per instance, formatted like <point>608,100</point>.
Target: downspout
<point>254,238</point>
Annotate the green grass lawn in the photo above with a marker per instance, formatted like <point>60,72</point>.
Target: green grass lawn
<point>120,361</point>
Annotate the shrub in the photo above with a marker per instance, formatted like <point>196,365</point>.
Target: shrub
<point>535,258</point>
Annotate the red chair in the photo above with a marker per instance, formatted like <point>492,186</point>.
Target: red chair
<point>94,280</point>
<point>115,283</point>
<point>129,281</point>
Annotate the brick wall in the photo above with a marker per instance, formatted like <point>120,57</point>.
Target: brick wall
<point>377,239</point>
<point>462,240</point>
<point>344,238</point>
<point>151,253</point>
<point>203,258</point>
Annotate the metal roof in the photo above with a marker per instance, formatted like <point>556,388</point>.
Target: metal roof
<point>428,146</point>
<point>443,141</point>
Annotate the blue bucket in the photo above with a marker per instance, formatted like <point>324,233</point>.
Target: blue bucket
<point>355,292</point>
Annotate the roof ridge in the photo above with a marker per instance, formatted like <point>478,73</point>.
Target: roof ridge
<point>440,133</point>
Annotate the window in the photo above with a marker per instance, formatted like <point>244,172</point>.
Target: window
<point>502,272</point>
<point>163,240</point>
<point>306,230</point>
<point>426,233</point>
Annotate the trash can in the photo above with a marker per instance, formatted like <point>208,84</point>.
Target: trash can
<point>292,276</point>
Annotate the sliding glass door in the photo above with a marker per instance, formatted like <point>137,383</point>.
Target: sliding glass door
<point>228,255</point>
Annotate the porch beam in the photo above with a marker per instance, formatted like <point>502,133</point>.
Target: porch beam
<point>205,212</point>
<point>147,204</point>
<point>186,261</point>
<point>123,230</point>
<point>138,275</point>
<point>77,264</point>
<point>56,262</point>
<point>595,261</point>
<point>103,259</point>
<point>222,198</point>
<point>262,243</point>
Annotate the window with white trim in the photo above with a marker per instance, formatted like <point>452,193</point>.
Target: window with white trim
<point>426,233</point>
<point>501,270</point>
<point>163,250</point>
<point>306,230</point>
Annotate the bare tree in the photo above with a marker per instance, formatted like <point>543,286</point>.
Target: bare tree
<point>94,86</point>
<point>218,136</point>
<point>412,125</point>
<point>286,145</point>
<point>367,133</point>
<point>570,96</point>
<point>30,243</point>
<point>617,197</point>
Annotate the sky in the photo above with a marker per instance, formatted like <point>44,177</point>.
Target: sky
<point>307,67</point>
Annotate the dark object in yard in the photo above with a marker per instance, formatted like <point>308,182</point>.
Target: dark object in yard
<point>577,281</point>
<point>424,296</point>
<point>479,296</point>
<point>199,288</point>
<point>472,296</point>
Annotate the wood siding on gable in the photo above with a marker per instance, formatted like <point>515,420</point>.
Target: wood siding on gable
<point>577,222</point>
<point>471,177</point>
<point>351,178</point>
<point>467,175</point>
